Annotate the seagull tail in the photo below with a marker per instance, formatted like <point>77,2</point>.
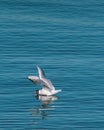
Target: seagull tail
<point>57,91</point>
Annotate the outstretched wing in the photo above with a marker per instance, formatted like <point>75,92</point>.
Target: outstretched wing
<point>41,73</point>
<point>46,82</point>
<point>35,80</point>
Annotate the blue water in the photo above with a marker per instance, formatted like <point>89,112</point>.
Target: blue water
<point>65,38</point>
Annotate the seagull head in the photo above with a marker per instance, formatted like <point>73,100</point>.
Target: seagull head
<point>37,92</point>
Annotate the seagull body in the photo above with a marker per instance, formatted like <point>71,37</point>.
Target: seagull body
<point>48,88</point>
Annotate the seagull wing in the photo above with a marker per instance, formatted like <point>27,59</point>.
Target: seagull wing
<point>35,80</point>
<point>38,81</point>
<point>41,73</point>
<point>46,82</point>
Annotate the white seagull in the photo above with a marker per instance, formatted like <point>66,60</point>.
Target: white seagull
<point>48,88</point>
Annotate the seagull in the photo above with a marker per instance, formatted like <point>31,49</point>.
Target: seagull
<point>47,87</point>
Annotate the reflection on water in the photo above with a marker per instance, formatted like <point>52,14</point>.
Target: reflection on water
<point>46,100</point>
<point>44,107</point>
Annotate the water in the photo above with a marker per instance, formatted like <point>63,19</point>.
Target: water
<point>65,38</point>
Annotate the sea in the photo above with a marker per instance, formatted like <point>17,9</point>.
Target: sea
<point>64,38</point>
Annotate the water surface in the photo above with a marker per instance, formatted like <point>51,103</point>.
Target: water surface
<point>66,39</point>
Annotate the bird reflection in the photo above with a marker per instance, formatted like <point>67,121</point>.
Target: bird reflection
<point>46,102</point>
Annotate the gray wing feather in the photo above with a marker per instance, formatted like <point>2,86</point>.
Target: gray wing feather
<point>41,73</point>
<point>35,80</point>
<point>46,82</point>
